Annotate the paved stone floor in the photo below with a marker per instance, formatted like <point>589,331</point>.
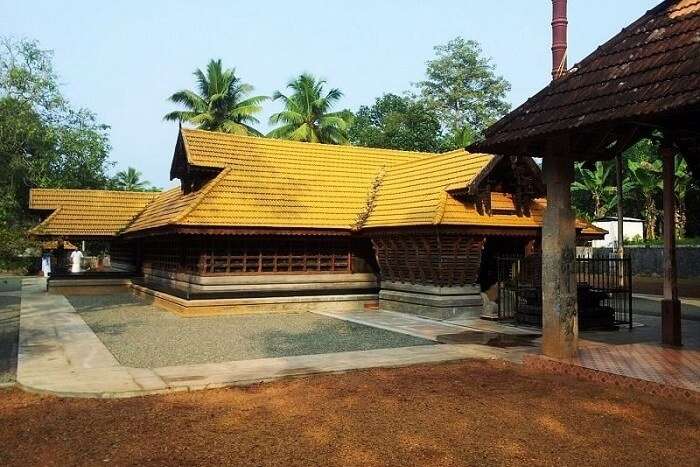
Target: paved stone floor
<point>9,327</point>
<point>678,367</point>
<point>60,354</point>
<point>637,353</point>
<point>650,305</point>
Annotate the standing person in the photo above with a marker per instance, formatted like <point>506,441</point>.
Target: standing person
<point>76,259</point>
<point>46,263</point>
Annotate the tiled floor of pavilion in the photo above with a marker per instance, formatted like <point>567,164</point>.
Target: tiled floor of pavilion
<point>635,357</point>
<point>648,362</point>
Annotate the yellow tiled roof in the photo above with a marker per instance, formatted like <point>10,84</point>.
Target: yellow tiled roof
<point>281,184</point>
<point>414,193</point>
<point>167,208</point>
<point>591,230</point>
<point>86,212</point>
<point>53,245</point>
<point>273,183</point>
<point>212,149</point>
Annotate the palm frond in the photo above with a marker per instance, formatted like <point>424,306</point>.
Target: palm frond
<point>190,100</point>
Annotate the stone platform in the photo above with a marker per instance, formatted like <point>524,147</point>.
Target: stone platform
<point>439,303</point>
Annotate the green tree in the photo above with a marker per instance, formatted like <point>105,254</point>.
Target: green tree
<point>307,113</point>
<point>683,185</point>
<point>598,185</point>
<point>397,122</point>
<point>462,86</point>
<point>644,171</point>
<point>463,137</point>
<point>221,103</point>
<point>44,142</point>
<point>130,180</point>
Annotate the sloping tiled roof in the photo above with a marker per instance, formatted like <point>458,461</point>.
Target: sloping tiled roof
<point>53,245</point>
<point>219,150</point>
<point>279,185</point>
<point>415,192</point>
<point>273,183</point>
<point>168,208</point>
<point>87,212</point>
<point>650,67</point>
<point>589,229</point>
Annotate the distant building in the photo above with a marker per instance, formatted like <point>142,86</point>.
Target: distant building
<point>632,227</point>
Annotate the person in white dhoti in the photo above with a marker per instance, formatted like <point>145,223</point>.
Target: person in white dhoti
<point>46,264</point>
<point>76,259</point>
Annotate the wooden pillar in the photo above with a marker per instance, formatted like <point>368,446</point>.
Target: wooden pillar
<point>670,305</point>
<point>620,210</point>
<point>559,301</point>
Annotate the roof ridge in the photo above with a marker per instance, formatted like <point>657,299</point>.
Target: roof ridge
<point>367,209</point>
<point>440,209</point>
<point>138,214</point>
<point>97,190</point>
<point>201,195</point>
<point>36,230</point>
<point>438,155</point>
<point>325,146</point>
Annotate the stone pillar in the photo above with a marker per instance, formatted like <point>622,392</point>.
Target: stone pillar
<point>670,305</point>
<point>559,302</point>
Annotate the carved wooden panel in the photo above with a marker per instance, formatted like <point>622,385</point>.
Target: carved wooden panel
<point>430,259</point>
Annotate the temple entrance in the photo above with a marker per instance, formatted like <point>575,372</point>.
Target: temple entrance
<point>500,247</point>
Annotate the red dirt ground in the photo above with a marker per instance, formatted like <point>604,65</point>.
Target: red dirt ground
<point>465,413</point>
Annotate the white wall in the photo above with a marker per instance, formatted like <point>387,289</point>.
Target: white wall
<point>630,228</point>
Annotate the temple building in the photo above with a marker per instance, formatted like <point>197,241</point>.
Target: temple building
<point>259,224</point>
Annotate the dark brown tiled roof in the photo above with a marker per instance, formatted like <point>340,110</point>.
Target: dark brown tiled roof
<point>650,67</point>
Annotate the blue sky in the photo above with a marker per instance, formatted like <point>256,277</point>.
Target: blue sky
<point>122,59</point>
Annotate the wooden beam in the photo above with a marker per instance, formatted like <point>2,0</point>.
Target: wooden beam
<point>670,305</point>
<point>620,210</point>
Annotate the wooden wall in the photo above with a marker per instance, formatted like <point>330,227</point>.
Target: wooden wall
<point>233,255</point>
<point>430,258</point>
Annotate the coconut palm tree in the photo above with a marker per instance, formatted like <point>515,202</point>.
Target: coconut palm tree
<point>598,184</point>
<point>220,104</point>
<point>306,115</point>
<point>130,180</point>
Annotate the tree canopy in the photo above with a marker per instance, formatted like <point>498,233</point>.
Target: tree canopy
<point>460,96</point>
<point>307,113</point>
<point>44,141</point>
<point>462,86</point>
<point>397,122</point>
<point>594,192</point>
<point>220,104</point>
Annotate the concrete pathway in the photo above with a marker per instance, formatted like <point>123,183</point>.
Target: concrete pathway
<point>59,354</point>
<point>424,327</point>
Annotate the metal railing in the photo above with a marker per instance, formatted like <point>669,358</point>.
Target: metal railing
<point>604,290</point>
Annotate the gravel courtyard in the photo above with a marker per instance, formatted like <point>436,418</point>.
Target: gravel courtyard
<point>141,335</point>
<point>477,413</point>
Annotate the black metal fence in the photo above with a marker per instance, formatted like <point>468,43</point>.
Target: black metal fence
<point>604,290</point>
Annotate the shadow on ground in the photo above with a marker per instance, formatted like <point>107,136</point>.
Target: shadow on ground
<point>465,413</point>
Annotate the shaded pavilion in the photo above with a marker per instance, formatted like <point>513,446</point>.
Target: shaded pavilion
<point>643,82</point>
